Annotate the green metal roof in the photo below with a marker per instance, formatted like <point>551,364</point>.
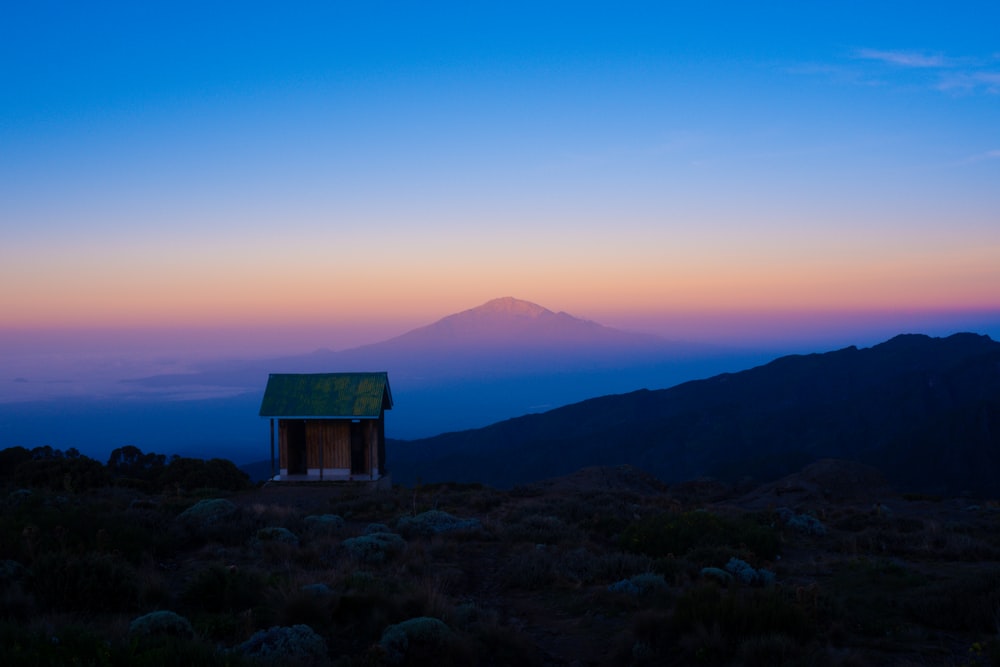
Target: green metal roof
<point>326,395</point>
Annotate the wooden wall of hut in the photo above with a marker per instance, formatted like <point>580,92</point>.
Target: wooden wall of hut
<point>334,437</point>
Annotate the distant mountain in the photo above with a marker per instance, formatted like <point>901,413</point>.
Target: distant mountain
<point>506,357</point>
<point>508,337</point>
<point>925,411</point>
<point>514,324</point>
<point>502,336</point>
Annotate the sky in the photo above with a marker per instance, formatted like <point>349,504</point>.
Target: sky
<point>247,178</point>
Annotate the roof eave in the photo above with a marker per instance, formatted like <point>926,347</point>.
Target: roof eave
<point>321,416</point>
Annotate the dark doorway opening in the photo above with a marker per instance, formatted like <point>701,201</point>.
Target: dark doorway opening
<point>297,460</point>
<point>358,463</point>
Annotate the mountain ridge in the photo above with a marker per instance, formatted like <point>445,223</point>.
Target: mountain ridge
<point>879,405</point>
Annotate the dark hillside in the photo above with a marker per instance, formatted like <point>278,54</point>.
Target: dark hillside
<point>925,410</point>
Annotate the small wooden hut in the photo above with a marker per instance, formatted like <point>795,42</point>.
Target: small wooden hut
<point>330,426</point>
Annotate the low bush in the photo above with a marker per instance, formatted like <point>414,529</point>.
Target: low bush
<point>324,524</point>
<point>434,522</point>
<point>296,644</point>
<point>585,566</point>
<point>803,523</point>
<point>375,547</point>
<point>277,534</point>
<point>539,529</point>
<point>208,512</point>
<point>413,640</point>
<point>717,574</point>
<point>640,585</point>
<point>743,572</point>
<point>160,623</point>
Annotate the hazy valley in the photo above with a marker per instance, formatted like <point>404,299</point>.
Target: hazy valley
<point>503,359</point>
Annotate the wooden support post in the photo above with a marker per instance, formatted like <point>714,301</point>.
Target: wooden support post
<point>272,449</point>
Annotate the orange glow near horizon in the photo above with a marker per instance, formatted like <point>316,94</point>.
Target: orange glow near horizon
<point>208,298</point>
<point>159,282</point>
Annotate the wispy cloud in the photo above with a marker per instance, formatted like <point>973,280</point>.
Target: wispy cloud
<point>904,58</point>
<point>924,69</point>
<point>979,157</point>
<point>967,82</point>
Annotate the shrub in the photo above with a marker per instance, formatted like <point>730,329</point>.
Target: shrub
<point>208,512</point>
<point>295,643</point>
<point>130,462</point>
<point>277,534</point>
<point>423,633</point>
<point>585,566</point>
<point>324,523</point>
<point>640,585</point>
<point>161,623</point>
<point>318,590</point>
<point>374,547</point>
<point>717,575</point>
<point>19,497</point>
<point>803,523</point>
<point>540,529</point>
<point>191,473</point>
<point>433,522</point>
<point>746,574</point>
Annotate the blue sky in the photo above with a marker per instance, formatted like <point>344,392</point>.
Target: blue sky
<point>354,170</point>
